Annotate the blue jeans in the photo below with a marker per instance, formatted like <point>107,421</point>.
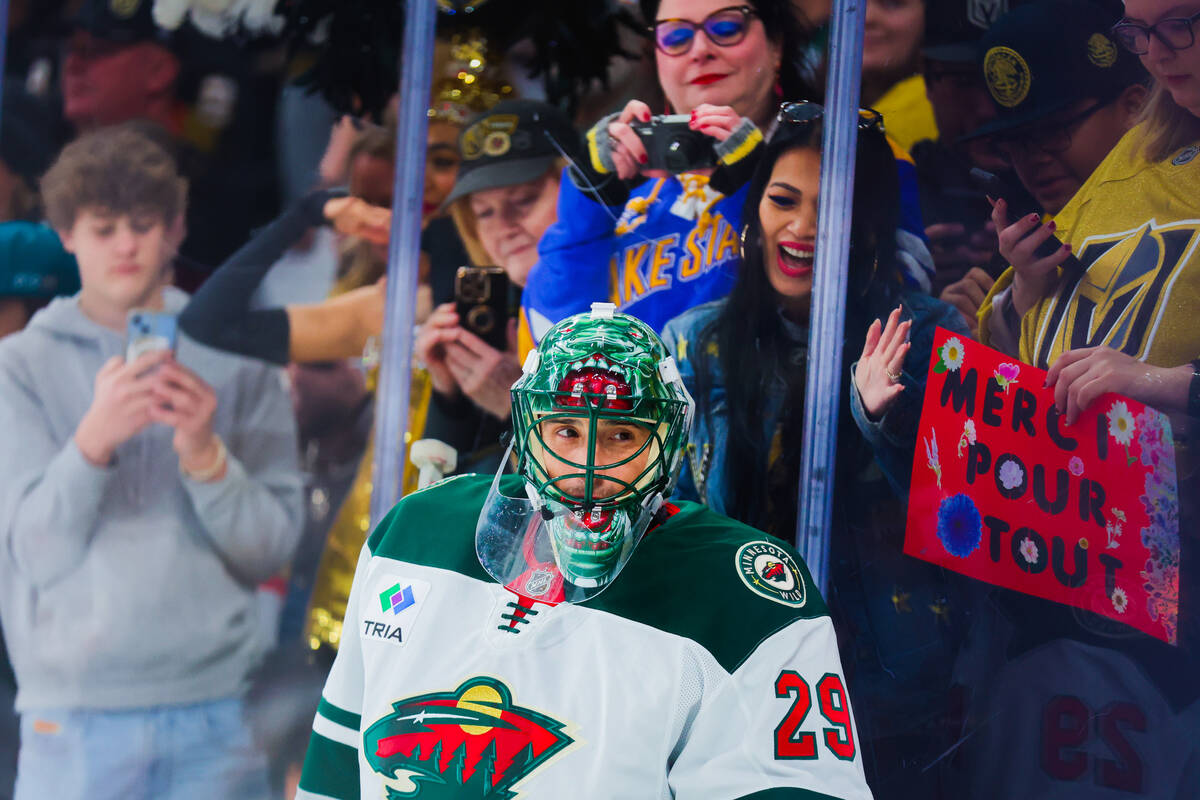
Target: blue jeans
<point>196,752</point>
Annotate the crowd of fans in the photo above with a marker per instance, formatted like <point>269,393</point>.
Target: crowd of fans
<point>180,522</point>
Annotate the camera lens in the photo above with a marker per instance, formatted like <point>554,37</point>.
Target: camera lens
<point>482,319</point>
<point>682,153</point>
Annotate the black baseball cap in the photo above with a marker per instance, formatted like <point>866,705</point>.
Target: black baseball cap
<point>953,28</point>
<point>119,21</point>
<point>1044,57</point>
<point>512,143</point>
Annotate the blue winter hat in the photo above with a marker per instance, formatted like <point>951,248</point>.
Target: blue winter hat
<point>33,262</point>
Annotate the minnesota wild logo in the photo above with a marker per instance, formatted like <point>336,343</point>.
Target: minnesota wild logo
<point>473,742</point>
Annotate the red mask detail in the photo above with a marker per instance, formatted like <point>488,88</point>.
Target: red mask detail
<point>596,382</point>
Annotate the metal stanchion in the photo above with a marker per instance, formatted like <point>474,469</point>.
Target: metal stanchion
<point>828,316</point>
<point>395,375</point>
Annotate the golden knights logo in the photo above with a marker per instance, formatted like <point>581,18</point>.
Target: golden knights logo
<point>1121,300</point>
<point>473,742</point>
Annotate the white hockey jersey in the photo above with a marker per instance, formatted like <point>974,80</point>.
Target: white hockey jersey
<point>708,670</point>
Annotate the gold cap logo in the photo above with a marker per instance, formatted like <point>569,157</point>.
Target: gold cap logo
<point>1101,51</point>
<point>123,8</point>
<point>490,136</point>
<point>1007,75</point>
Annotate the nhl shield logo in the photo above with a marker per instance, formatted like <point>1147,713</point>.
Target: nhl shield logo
<point>538,583</point>
<point>769,570</point>
<point>473,742</point>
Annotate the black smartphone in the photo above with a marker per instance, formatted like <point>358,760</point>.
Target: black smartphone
<point>996,188</point>
<point>481,300</point>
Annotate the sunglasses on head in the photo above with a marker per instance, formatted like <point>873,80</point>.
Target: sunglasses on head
<point>806,113</point>
<point>724,27</point>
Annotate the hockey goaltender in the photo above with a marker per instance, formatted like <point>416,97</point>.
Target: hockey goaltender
<point>565,632</point>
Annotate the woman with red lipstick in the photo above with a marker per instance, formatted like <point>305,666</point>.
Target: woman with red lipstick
<point>654,243</point>
<point>1125,322</point>
<point>744,361</point>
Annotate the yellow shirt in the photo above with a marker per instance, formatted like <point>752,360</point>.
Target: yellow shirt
<point>1135,226</point>
<point>907,114</point>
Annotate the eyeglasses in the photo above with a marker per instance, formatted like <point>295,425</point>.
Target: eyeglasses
<point>805,113</point>
<point>1176,33</point>
<point>724,27</point>
<point>1053,141</point>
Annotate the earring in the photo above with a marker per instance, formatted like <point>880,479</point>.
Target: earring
<point>742,241</point>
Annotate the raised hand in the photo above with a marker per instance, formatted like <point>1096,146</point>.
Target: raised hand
<point>967,296</point>
<point>121,405</point>
<point>354,216</point>
<point>718,122</point>
<point>185,402</point>
<point>877,374</point>
<point>485,374</point>
<point>1032,276</point>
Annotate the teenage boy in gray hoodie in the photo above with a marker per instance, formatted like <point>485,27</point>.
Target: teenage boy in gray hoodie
<point>140,504</point>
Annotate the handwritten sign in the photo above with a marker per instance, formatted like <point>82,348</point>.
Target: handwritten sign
<point>1003,490</point>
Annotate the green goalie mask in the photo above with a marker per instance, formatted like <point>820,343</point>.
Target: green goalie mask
<point>600,422</point>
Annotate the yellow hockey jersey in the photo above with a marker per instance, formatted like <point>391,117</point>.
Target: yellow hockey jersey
<point>1134,225</point>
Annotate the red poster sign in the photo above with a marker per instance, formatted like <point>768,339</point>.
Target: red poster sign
<point>1003,490</point>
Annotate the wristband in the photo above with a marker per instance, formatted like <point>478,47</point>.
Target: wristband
<point>1193,403</point>
<point>211,471</point>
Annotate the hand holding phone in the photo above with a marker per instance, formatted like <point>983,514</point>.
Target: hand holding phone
<point>1031,247</point>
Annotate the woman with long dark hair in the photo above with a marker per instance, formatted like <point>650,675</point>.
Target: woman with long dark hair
<point>744,358</point>
<point>758,399</point>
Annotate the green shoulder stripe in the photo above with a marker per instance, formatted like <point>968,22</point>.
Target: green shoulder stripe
<point>787,793</point>
<point>330,769</point>
<point>341,716</point>
<point>715,581</point>
<point>435,527</point>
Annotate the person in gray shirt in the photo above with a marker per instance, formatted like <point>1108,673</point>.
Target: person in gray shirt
<point>141,503</point>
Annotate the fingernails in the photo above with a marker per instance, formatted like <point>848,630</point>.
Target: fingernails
<point>643,158</point>
<point>646,116</point>
<point>1066,248</point>
<point>1051,225</point>
<point>1033,217</point>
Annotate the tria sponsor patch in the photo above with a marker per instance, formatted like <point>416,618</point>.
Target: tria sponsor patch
<point>390,610</point>
<point>769,570</point>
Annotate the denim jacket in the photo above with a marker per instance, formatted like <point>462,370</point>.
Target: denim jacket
<point>892,437</point>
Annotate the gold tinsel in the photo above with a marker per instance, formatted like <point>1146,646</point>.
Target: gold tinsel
<point>466,81</point>
<point>335,573</point>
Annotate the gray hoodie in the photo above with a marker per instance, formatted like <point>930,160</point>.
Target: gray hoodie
<point>132,586</point>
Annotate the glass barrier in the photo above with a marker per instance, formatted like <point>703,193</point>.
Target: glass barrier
<point>627,214</point>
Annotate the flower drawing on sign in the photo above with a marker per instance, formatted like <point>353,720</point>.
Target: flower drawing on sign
<point>1006,375</point>
<point>968,437</point>
<point>1121,427</point>
<point>1011,475</point>
<point>950,356</point>
<point>1029,551</point>
<point>1161,536</point>
<point>1120,600</point>
<point>1113,529</point>
<point>931,457</point>
<point>1075,466</point>
<point>959,526</point>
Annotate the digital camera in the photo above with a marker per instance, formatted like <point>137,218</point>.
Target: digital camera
<point>672,146</point>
